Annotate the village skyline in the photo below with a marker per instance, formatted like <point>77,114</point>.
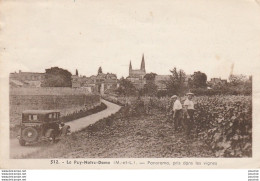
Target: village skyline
<point>201,36</point>
<point>136,65</point>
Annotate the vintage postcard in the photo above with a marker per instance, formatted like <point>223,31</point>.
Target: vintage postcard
<point>129,84</point>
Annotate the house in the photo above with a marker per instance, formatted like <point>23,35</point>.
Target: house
<point>26,79</point>
<point>217,81</point>
<point>96,83</point>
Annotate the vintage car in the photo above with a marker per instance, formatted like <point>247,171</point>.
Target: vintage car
<point>40,125</point>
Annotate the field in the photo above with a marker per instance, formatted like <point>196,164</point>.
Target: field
<point>223,122</point>
<point>143,128</point>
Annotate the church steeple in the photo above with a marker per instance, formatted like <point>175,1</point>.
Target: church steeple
<point>143,64</point>
<point>130,67</point>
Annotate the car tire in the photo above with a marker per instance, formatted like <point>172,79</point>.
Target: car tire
<point>22,142</point>
<point>30,134</point>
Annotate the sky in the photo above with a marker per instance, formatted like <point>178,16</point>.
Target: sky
<point>193,35</point>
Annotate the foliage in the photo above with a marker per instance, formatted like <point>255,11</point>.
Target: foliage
<point>57,77</point>
<point>162,93</point>
<point>126,88</point>
<point>224,90</point>
<point>150,76</point>
<point>225,123</point>
<point>77,72</point>
<point>100,70</point>
<point>222,122</point>
<point>83,112</point>
<point>198,80</point>
<point>236,80</point>
<point>176,84</point>
<point>150,89</point>
<point>237,85</point>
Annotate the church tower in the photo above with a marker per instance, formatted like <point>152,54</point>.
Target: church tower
<point>130,68</point>
<point>136,76</point>
<point>143,64</point>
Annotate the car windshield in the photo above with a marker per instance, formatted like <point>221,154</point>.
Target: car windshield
<point>53,116</point>
<point>50,116</point>
<point>33,117</point>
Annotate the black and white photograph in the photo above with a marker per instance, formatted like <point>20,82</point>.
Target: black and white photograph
<point>130,80</point>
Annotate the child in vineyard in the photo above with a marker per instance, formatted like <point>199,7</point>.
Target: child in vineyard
<point>177,112</point>
<point>188,113</point>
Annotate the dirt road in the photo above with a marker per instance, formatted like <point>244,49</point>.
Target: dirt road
<point>17,151</point>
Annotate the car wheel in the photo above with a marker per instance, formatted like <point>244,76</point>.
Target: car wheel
<point>30,134</point>
<point>22,142</point>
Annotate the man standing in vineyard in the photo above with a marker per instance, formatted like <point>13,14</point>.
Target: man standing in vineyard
<point>188,113</point>
<point>177,112</point>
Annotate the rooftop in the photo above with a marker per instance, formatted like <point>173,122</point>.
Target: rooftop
<point>138,71</point>
<point>162,77</point>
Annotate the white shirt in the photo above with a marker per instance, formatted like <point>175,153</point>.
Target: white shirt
<point>189,103</point>
<point>177,105</point>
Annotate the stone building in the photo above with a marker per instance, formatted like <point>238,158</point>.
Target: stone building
<point>83,82</point>
<point>26,79</point>
<point>136,76</point>
<point>105,82</point>
<point>100,83</point>
<point>217,81</point>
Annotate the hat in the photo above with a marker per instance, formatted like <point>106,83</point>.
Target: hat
<point>174,96</point>
<point>190,94</point>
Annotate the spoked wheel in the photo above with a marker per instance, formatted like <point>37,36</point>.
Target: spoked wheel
<point>29,134</point>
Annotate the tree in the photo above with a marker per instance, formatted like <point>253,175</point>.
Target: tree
<point>237,79</point>
<point>57,77</point>
<point>150,89</point>
<point>100,70</point>
<point>150,76</point>
<point>240,84</point>
<point>198,80</point>
<point>126,88</point>
<point>77,73</point>
<point>176,83</point>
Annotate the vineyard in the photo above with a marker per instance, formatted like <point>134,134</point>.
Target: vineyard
<point>222,122</point>
<point>142,129</point>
